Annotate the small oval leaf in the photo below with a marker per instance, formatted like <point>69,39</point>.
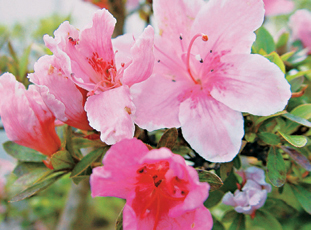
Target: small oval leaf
<point>22,153</point>
<point>295,140</point>
<point>269,138</point>
<point>297,119</point>
<point>87,161</point>
<point>276,169</point>
<point>212,179</point>
<point>298,157</point>
<point>62,160</point>
<point>168,139</point>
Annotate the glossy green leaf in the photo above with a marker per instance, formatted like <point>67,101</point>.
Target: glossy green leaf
<point>22,153</point>
<point>238,223</point>
<point>264,41</point>
<point>168,139</point>
<point>266,221</point>
<point>269,138</point>
<point>298,157</point>
<point>287,55</point>
<point>303,111</point>
<point>36,188</point>
<point>297,119</point>
<point>276,169</point>
<point>295,140</point>
<point>62,160</point>
<point>214,181</point>
<point>119,222</point>
<point>27,167</point>
<point>225,170</point>
<point>87,161</point>
<point>303,194</point>
<point>262,119</point>
<point>237,161</point>
<point>276,59</point>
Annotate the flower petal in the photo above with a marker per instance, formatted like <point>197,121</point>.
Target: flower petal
<point>118,175</point>
<point>252,84</point>
<point>211,128</point>
<point>157,102</point>
<point>110,112</point>
<point>229,25</point>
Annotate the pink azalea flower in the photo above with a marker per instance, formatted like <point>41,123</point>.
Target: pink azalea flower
<point>276,7</point>
<point>26,119</point>
<point>161,191</point>
<point>300,23</point>
<point>205,76</point>
<point>107,70</point>
<point>251,198</point>
<point>59,93</point>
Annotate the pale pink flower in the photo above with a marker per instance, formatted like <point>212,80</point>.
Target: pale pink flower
<point>300,23</point>
<point>205,76</point>
<point>59,93</point>
<point>26,119</point>
<point>249,199</point>
<point>277,7</point>
<point>107,70</point>
<point>161,191</point>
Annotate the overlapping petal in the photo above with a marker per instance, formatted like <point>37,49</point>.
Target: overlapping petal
<point>211,128</point>
<point>110,112</point>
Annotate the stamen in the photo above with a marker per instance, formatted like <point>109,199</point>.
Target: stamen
<point>164,54</point>
<point>204,38</point>
<point>181,42</point>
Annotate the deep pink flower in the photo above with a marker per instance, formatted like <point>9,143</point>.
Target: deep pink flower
<point>205,76</point>
<point>300,23</point>
<point>276,7</point>
<point>26,119</point>
<point>161,191</point>
<point>107,70</point>
<point>253,193</point>
<point>59,93</point>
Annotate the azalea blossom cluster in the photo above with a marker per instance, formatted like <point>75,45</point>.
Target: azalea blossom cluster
<point>252,192</point>
<point>196,76</point>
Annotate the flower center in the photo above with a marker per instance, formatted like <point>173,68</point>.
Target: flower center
<point>156,193</point>
<point>204,38</point>
<point>109,77</point>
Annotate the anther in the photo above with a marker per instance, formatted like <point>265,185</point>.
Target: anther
<point>204,37</point>
<point>211,51</point>
<point>201,61</point>
<point>212,70</point>
<point>158,61</point>
<point>180,37</point>
<point>122,64</point>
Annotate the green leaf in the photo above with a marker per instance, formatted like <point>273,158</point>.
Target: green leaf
<point>214,181</point>
<point>23,62</point>
<point>80,142</point>
<point>237,161</point>
<point>79,178</point>
<point>262,119</point>
<point>119,222</point>
<point>283,39</point>
<point>168,139</point>
<point>238,223</point>
<point>296,75</point>
<point>303,194</point>
<point>276,59</point>
<point>30,173</point>
<point>225,170</point>
<point>264,41</point>
<point>217,225</point>
<point>36,188</point>
<point>276,169</point>
<point>87,161</point>
<point>229,216</point>
<point>279,208</point>
<point>269,138</point>
<point>266,221</point>
<point>298,157</point>
<point>303,111</point>
<point>22,153</point>
<point>214,198</point>
<point>297,119</point>
<point>295,140</point>
<point>287,55</point>
<point>62,160</point>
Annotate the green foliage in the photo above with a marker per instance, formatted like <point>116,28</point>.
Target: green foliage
<point>264,42</point>
<point>276,169</point>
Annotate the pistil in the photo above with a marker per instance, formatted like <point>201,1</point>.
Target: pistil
<point>204,38</point>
